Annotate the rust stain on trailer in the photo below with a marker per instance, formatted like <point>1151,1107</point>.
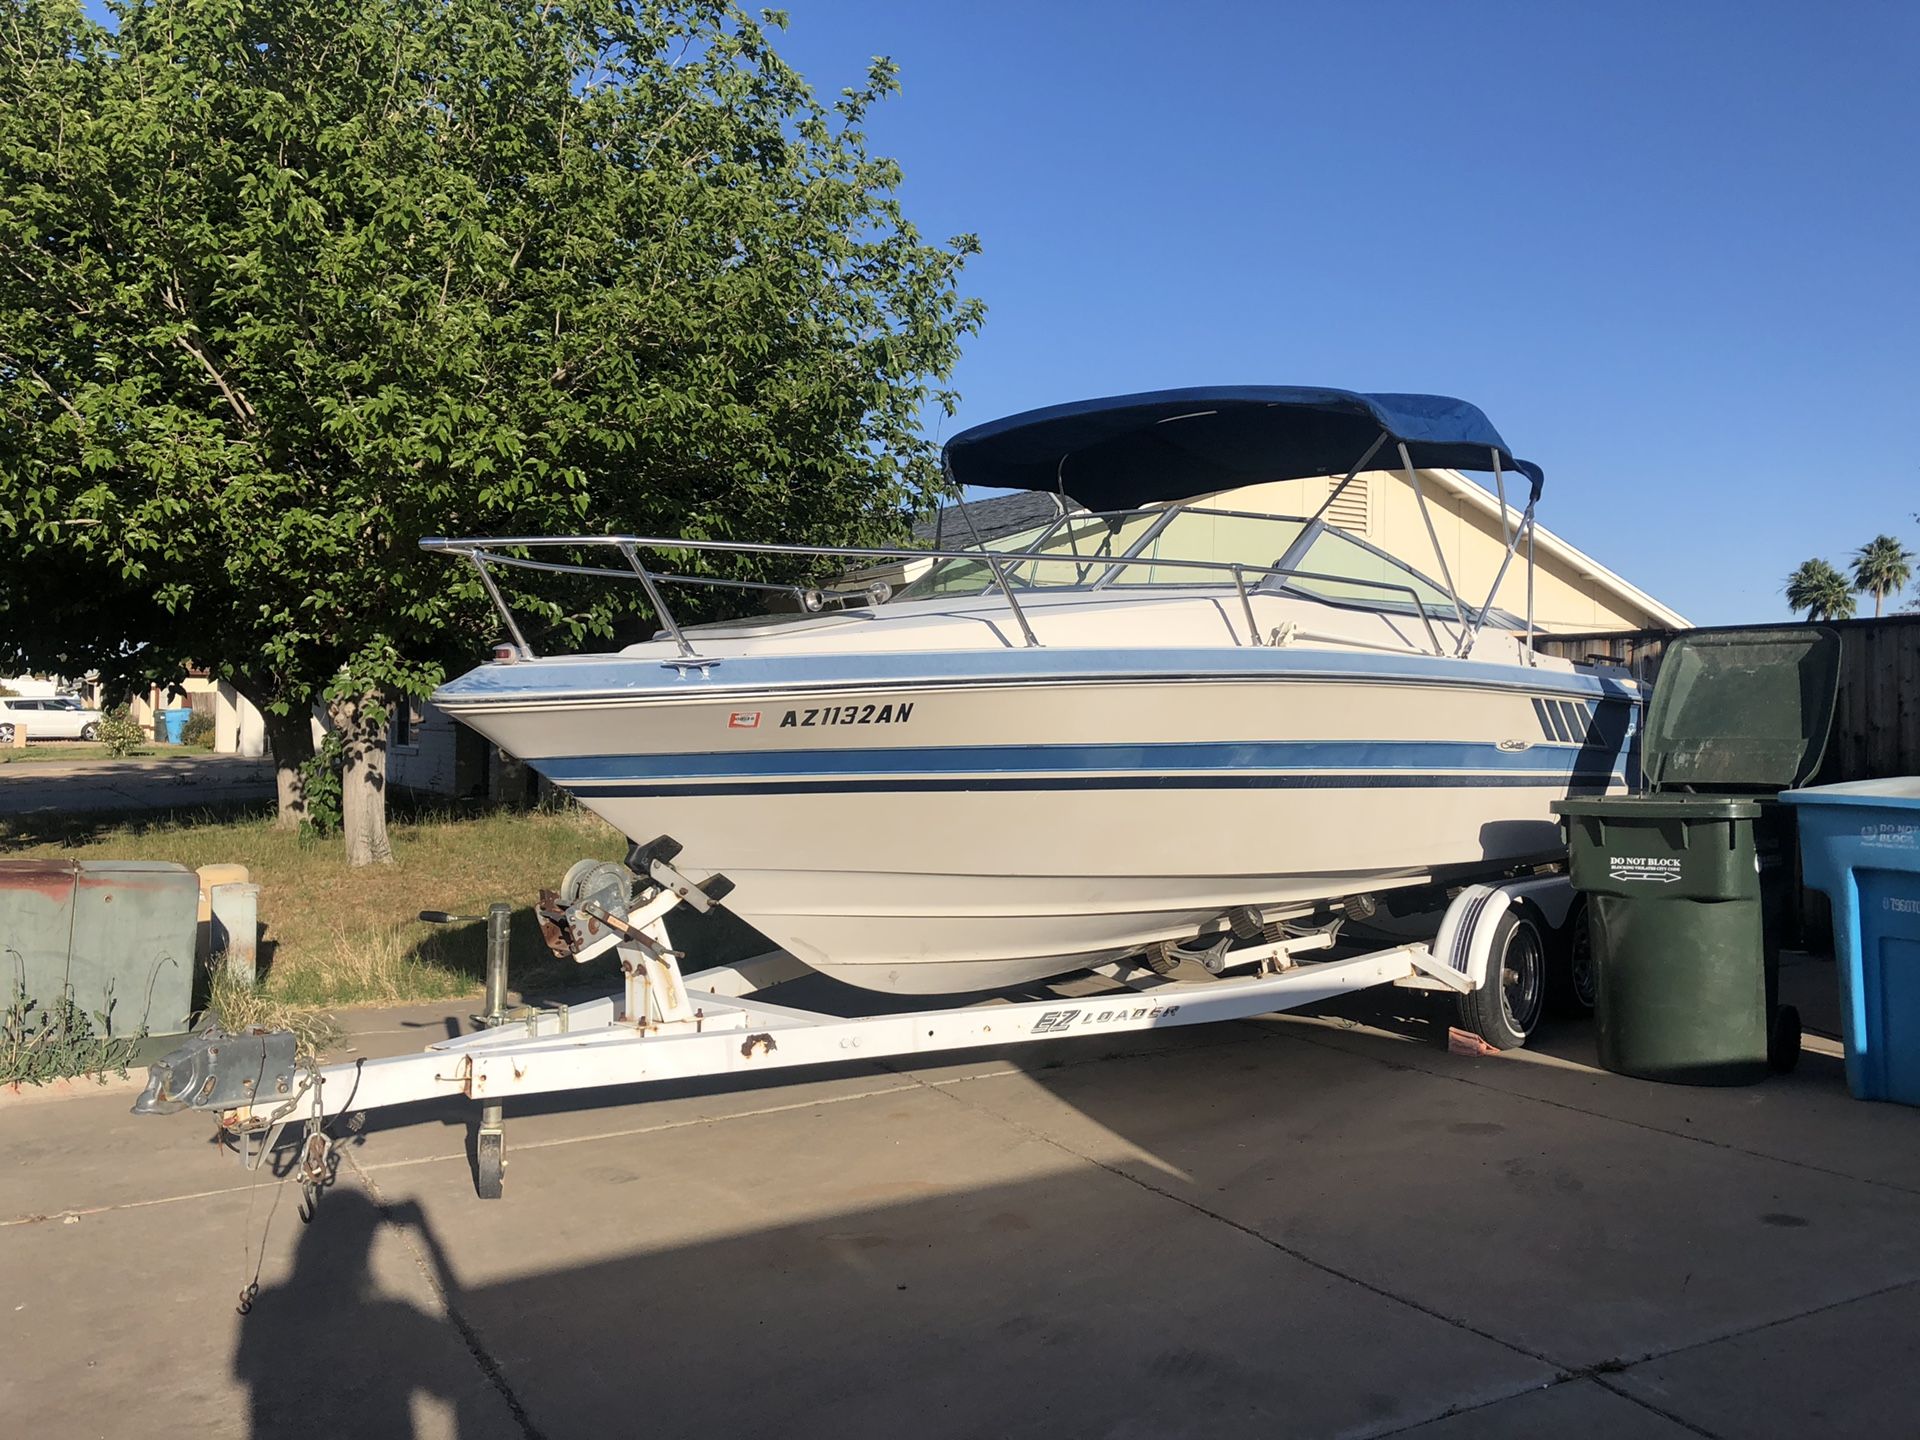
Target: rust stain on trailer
<point>51,879</point>
<point>464,1076</point>
<point>762,1043</point>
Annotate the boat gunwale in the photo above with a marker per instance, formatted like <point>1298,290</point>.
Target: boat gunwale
<point>682,687</point>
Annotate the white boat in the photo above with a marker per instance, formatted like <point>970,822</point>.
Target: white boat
<point>1151,723</point>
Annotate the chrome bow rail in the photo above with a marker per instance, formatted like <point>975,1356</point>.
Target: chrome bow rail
<point>490,551</point>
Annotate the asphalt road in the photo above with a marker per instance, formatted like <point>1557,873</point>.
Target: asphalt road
<point>1277,1227</point>
<point>162,782</point>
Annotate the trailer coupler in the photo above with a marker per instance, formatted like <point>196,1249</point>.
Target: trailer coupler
<point>215,1070</point>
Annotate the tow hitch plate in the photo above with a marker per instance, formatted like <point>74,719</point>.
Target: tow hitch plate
<point>217,1071</point>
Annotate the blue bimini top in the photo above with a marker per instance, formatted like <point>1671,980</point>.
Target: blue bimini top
<point>1125,451</point>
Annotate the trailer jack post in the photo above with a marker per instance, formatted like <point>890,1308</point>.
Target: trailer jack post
<point>490,1140</point>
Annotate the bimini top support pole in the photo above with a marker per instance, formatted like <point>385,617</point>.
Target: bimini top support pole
<point>1439,552</point>
<point>1514,534</point>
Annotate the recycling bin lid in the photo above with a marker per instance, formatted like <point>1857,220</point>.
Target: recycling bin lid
<point>1742,710</point>
<point>1900,790</point>
<point>1658,807</point>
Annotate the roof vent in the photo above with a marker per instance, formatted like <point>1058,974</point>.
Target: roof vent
<point>1352,508</point>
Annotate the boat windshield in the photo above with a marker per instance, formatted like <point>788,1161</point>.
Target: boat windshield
<point>1090,543</point>
<point>1161,544</point>
<point>972,577</point>
<point>1338,567</point>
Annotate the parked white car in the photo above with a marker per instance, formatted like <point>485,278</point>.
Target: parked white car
<point>58,717</point>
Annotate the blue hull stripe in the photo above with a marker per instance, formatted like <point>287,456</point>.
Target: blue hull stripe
<point>1563,783</point>
<point>1225,763</point>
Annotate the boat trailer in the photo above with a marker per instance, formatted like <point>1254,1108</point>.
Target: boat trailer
<point>664,1025</point>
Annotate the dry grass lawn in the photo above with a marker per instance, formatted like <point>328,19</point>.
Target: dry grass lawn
<point>84,750</point>
<point>334,936</point>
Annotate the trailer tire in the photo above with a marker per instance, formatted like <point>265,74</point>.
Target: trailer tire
<point>1507,1005</point>
<point>1783,1047</point>
<point>1570,977</point>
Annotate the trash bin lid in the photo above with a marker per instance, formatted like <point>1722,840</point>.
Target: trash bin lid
<point>1901,791</point>
<point>1658,807</point>
<point>1742,710</point>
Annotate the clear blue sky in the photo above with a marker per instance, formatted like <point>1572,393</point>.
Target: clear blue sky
<point>1670,249</point>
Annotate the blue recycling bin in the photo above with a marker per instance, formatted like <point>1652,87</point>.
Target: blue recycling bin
<point>1860,846</point>
<point>176,723</point>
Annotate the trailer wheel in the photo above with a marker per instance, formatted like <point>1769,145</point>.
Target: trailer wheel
<point>6,734</point>
<point>1507,1004</point>
<point>1570,978</point>
<point>1783,1048</point>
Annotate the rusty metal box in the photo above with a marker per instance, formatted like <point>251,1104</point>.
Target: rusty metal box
<point>119,933</point>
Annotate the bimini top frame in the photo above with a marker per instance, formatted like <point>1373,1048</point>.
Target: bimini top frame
<point>1120,451</point>
<point>1140,448</point>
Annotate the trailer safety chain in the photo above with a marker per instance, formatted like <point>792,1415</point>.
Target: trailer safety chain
<point>318,1164</point>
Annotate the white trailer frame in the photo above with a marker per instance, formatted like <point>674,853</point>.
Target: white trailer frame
<point>666,1026</point>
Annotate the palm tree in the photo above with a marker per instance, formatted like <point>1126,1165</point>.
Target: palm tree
<point>1882,567</point>
<point>1820,590</point>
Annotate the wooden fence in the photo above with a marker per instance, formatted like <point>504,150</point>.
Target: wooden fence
<point>1876,721</point>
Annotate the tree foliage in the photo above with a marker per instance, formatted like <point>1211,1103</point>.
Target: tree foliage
<point>1820,590</point>
<point>1882,567</point>
<point>287,284</point>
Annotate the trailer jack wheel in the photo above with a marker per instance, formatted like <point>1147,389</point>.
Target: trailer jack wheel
<point>489,1158</point>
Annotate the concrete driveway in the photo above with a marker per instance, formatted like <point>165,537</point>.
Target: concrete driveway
<point>161,782</point>
<point>1279,1227</point>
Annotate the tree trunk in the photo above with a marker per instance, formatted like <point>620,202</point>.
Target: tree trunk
<point>361,723</point>
<point>290,737</point>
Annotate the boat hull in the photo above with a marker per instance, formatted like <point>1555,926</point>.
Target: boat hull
<point>943,834</point>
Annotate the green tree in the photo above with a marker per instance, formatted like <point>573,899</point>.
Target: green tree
<point>1820,590</point>
<point>287,284</point>
<point>1882,567</point>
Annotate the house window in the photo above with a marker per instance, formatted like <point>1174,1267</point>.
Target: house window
<point>1352,509</point>
<point>406,723</point>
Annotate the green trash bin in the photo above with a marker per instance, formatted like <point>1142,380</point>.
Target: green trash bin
<point>1688,887</point>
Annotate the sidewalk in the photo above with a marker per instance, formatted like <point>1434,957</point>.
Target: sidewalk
<point>1279,1227</point>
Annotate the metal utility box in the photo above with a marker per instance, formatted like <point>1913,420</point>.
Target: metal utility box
<point>118,933</point>
<point>1688,887</point>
